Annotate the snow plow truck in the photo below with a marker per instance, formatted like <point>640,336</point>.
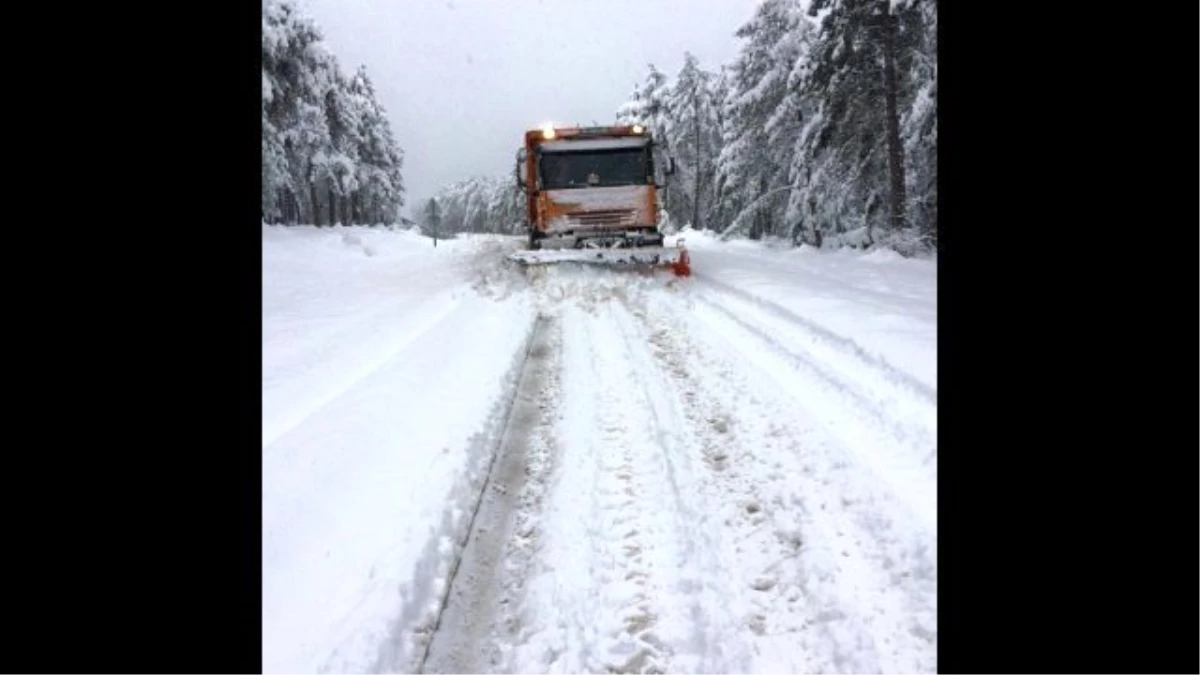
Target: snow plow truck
<point>593,196</point>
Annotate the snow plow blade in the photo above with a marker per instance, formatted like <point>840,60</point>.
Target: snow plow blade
<point>675,258</point>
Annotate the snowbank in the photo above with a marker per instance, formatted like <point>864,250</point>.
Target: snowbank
<point>381,410</point>
<point>905,245</point>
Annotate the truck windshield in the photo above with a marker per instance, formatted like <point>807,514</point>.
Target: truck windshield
<point>600,168</point>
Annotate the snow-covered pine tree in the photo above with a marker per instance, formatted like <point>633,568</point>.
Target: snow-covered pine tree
<point>328,154</point>
<point>430,220</point>
<point>379,177</point>
<point>918,123</point>
<point>341,181</point>
<point>752,168</point>
<point>865,75</point>
<point>481,204</point>
<point>648,104</point>
<point>692,132</point>
<point>632,111</point>
<point>285,38</point>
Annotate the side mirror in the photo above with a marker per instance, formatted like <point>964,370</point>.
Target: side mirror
<point>519,169</point>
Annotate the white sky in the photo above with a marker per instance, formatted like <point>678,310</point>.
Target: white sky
<point>461,80</point>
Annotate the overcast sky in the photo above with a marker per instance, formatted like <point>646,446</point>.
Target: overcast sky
<point>462,79</point>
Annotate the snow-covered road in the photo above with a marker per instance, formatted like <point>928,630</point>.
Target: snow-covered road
<point>733,472</point>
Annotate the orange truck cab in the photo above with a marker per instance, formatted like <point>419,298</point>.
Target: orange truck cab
<point>592,187</point>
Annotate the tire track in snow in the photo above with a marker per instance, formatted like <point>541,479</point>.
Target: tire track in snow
<point>626,578</point>
<point>817,333</point>
<point>622,484</point>
<point>901,451</point>
<point>636,549</point>
<point>710,642</point>
<point>712,428</point>
<point>838,583</point>
<point>479,588</point>
<point>913,421</point>
<point>678,515</point>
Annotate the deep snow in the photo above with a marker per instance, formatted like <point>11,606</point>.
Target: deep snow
<point>732,472</point>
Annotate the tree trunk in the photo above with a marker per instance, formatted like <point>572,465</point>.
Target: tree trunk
<point>316,205</point>
<point>696,146</point>
<point>760,224</point>
<point>291,206</point>
<point>895,150</point>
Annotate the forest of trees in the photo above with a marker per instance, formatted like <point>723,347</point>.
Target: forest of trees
<point>822,130</point>
<point>328,153</point>
<point>483,204</point>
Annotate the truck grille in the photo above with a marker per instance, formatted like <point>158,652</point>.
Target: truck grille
<point>602,219</point>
